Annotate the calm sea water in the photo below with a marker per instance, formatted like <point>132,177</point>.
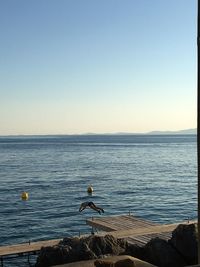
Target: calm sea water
<point>154,177</point>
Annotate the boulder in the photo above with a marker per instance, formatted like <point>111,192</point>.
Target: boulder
<point>159,252</point>
<point>70,241</point>
<point>134,250</point>
<point>50,256</point>
<point>106,245</point>
<point>77,249</point>
<point>84,252</point>
<point>185,241</point>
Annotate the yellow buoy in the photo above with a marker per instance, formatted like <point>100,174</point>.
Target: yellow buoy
<point>90,189</point>
<point>24,196</point>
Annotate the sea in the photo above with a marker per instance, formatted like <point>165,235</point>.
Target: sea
<point>153,177</point>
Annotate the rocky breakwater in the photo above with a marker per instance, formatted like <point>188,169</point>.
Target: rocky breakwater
<point>179,251</point>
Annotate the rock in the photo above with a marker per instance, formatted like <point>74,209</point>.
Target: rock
<point>50,256</point>
<point>159,252</point>
<point>70,241</point>
<point>134,250</point>
<point>84,252</point>
<point>109,263</point>
<point>106,245</point>
<point>77,249</point>
<point>184,240</point>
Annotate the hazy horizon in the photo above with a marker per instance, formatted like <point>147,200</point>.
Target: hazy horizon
<point>74,67</point>
<point>183,131</point>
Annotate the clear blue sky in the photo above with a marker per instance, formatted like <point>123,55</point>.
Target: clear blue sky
<point>78,66</point>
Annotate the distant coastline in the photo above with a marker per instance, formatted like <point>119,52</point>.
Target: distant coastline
<point>187,131</point>
<point>180,132</point>
<point>192,131</point>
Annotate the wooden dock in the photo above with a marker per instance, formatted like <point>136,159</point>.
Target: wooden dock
<point>25,248</point>
<point>133,229</point>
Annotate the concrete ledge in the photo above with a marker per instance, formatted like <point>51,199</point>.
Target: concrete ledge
<point>112,260</point>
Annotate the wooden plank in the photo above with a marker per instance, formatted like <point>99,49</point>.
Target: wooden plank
<point>101,225</point>
<point>141,240</point>
<point>114,223</point>
<point>144,230</point>
<point>26,247</point>
<point>139,220</point>
<point>136,240</point>
<point>129,222</point>
<point>123,222</point>
<point>133,229</point>
<point>138,226</point>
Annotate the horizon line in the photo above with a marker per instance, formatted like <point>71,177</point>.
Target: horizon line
<point>191,131</point>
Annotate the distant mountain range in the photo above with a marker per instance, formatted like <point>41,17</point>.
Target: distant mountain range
<point>187,131</point>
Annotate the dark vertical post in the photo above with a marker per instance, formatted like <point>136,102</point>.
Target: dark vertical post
<point>198,121</point>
